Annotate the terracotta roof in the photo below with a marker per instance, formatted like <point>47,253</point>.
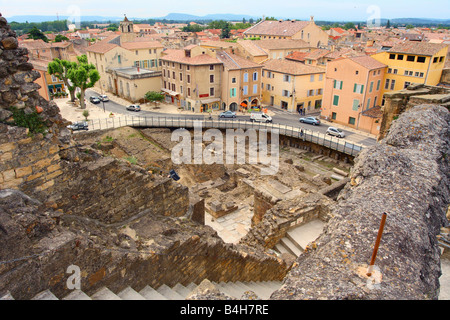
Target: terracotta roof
<point>282,44</point>
<point>317,54</point>
<point>217,44</point>
<point>419,48</point>
<point>368,62</point>
<point>235,62</point>
<point>297,56</point>
<point>340,30</point>
<point>374,112</point>
<point>134,45</point>
<point>291,67</point>
<point>277,28</point>
<point>178,55</point>
<point>102,46</point>
<point>35,44</point>
<point>252,47</point>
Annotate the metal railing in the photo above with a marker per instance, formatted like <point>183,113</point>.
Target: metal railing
<point>315,137</point>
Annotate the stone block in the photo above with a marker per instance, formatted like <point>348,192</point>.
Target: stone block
<point>21,172</point>
<point>9,175</point>
<point>6,156</point>
<point>7,147</point>
<point>53,167</point>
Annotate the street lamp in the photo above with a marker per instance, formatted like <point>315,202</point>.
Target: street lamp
<point>103,102</point>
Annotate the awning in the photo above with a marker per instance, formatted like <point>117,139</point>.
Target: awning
<point>208,101</point>
<point>244,104</point>
<point>170,92</point>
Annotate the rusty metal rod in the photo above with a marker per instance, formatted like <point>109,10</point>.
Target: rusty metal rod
<point>377,243</point>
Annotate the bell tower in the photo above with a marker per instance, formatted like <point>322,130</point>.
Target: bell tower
<point>126,30</point>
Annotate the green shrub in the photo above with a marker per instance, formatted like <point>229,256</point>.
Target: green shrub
<point>32,121</point>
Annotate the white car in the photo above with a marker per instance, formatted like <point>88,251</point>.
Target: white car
<point>103,98</point>
<point>332,131</point>
<point>260,117</point>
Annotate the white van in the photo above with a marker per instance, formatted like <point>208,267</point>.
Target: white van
<point>260,117</point>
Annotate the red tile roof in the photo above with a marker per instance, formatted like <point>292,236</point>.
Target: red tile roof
<point>277,28</point>
<point>291,67</point>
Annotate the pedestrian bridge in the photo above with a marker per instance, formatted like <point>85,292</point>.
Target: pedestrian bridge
<point>334,143</point>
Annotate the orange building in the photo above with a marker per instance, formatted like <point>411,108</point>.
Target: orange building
<point>353,92</point>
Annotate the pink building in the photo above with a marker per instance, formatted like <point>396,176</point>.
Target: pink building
<point>352,94</point>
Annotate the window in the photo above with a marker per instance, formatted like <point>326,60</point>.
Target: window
<point>233,80</point>
<point>211,78</point>
<point>286,78</point>
<point>318,103</point>
<point>263,73</point>
<point>395,71</point>
<point>406,84</point>
<point>440,59</point>
<point>165,84</point>
<point>435,59</point>
<point>392,84</point>
<point>211,92</point>
<point>392,56</point>
<point>310,93</point>
<point>211,67</point>
<point>386,85</point>
<point>181,66</point>
<point>319,92</point>
<point>357,72</point>
<point>320,77</point>
<point>174,88</point>
<point>358,88</point>
<point>255,88</point>
<point>269,74</point>
<point>188,78</point>
<point>119,58</point>
<point>164,72</point>
<point>137,52</point>
<point>400,57</point>
<point>285,93</point>
<point>189,92</point>
<point>371,87</point>
<point>378,84</point>
<point>375,102</point>
<point>311,78</point>
<point>338,84</point>
<point>255,76</point>
<point>368,104</point>
<point>188,68</point>
<point>421,59</point>
<point>246,77</point>
<point>411,58</point>
<point>245,90</point>
<point>232,92</point>
<point>333,115</point>
<point>181,89</point>
<point>351,121</point>
<point>421,75</point>
<point>355,105</point>
<point>181,76</point>
<point>389,70</point>
<point>335,100</point>
<point>268,86</point>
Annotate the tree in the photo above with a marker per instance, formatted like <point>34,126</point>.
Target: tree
<point>225,31</point>
<point>388,24</point>
<point>153,96</point>
<point>86,114</point>
<point>83,76</point>
<point>349,25</point>
<point>250,20</point>
<point>60,69</point>
<point>112,27</point>
<point>60,38</point>
<point>36,34</point>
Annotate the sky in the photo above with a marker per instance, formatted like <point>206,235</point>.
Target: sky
<point>360,10</point>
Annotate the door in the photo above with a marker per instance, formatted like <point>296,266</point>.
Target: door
<point>271,100</point>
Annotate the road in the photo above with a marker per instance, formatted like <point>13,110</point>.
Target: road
<point>280,117</point>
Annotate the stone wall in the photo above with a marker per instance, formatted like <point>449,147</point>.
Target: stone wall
<point>406,175</point>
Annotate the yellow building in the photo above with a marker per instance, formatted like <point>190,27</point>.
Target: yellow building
<point>112,54</point>
<point>412,62</point>
<point>292,86</point>
<point>289,29</point>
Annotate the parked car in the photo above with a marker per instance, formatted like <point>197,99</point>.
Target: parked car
<point>134,107</point>
<point>228,114</point>
<point>103,98</point>
<point>332,131</point>
<point>80,125</point>
<point>94,100</point>
<point>260,117</point>
<point>311,120</point>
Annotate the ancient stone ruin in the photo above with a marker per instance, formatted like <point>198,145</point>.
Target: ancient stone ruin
<point>103,202</point>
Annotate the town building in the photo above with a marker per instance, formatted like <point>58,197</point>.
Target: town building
<point>353,92</point>
<point>292,86</point>
<point>289,29</point>
<point>412,62</point>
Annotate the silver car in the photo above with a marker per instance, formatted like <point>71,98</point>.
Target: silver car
<point>332,131</point>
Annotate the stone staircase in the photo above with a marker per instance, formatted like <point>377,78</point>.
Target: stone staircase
<point>298,238</point>
<point>178,292</point>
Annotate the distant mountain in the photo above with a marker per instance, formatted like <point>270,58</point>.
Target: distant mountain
<point>31,18</point>
<point>216,16</point>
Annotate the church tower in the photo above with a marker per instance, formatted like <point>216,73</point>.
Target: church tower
<point>126,30</point>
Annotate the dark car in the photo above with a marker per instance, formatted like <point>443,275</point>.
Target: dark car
<point>228,114</point>
<point>134,107</point>
<point>80,125</point>
<point>94,99</point>
<point>311,120</point>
